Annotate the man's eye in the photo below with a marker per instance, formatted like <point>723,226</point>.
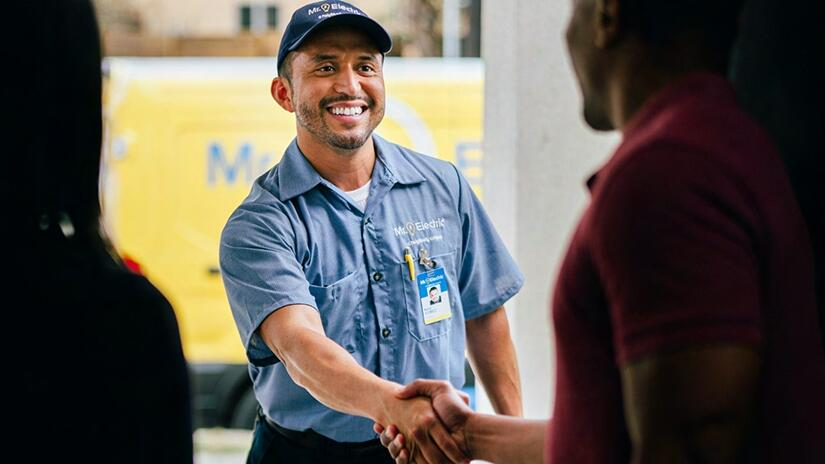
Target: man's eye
<point>327,68</point>
<point>366,68</point>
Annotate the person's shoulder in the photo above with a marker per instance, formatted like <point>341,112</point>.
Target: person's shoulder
<point>426,164</point>
<point>701,140</point>
<point>426,161</point>
<point>682,137</point>
<point>106,303</point>
<point>439,174</point>
<point>265,189</point>
<point>261,210</point>
<point>710,121</point>
<point>126,288</point>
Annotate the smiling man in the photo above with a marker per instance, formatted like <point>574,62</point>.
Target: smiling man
<point>326,261</point>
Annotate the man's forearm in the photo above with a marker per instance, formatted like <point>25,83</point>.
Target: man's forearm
<point>506,439</point>
<point>493,358</point>
<point>333,377</point>
<point>674,414</point>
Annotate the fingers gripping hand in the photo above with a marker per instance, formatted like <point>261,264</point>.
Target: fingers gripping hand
<point>449,404</point>
<point>434,442</point>
<point>451,408</point>
<point>394,442</point>
<point>419,436</point>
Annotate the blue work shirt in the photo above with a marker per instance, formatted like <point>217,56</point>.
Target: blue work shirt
<point>298,239</point>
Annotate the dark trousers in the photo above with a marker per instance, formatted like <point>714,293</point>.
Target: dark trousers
<point>271,446</point>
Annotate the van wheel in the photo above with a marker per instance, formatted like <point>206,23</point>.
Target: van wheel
<point>244,415</point>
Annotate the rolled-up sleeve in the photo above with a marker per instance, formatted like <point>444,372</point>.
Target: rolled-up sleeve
<point>488,275</point>
<point>261,273</point>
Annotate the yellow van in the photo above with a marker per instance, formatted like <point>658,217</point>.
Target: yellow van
<point>185,138</point>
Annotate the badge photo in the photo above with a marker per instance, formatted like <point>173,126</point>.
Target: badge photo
<point>434,296</point>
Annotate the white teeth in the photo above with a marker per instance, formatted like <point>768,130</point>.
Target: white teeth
<point>346,110</point>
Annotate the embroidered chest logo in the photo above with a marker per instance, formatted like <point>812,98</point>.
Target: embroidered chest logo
<point>411,228</point>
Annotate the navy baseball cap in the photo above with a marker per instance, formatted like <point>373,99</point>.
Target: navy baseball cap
<point>310,17</point>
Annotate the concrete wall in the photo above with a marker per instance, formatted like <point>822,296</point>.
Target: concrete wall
<point>537,155</point>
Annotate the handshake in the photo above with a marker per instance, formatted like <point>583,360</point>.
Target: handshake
<point>431,428</point>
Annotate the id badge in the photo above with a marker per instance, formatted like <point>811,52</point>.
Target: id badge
<point>434,296</point>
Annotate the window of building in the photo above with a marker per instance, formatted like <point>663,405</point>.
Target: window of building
<point>258,18</point>
<point>246,17</point>
<point>272,16</point>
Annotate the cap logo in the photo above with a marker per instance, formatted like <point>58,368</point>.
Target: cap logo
<point>338,8</point>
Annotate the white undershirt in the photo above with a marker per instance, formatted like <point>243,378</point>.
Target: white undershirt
<point>360,195</point>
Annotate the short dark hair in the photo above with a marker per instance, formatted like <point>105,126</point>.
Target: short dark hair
<point>285,70</point>
<point>662,21</point>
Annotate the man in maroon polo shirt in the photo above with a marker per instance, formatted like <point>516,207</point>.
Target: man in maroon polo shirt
<point>684,310</point>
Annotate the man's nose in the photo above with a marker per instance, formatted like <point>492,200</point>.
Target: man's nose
<point>348,82</point>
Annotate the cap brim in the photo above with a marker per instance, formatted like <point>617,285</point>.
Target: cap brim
<point>374,30</point>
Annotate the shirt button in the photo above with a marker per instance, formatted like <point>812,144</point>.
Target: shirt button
<point>386,332</point>
<point>377,277</point>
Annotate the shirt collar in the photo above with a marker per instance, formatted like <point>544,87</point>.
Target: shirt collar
<point>397,168</point>
<point>296,175</point>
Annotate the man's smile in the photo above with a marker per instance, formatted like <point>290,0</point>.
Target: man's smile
<point>347,111</point>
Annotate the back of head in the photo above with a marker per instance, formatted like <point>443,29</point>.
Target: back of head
<point>710,24</point>
<point>56,129</point>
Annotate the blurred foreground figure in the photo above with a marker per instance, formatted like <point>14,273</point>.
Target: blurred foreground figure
<point>778,74</point>
<point>685,308</point>
<point>98,372</point>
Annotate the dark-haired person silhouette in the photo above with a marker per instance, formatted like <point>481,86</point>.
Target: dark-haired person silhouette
<point>96,365</point>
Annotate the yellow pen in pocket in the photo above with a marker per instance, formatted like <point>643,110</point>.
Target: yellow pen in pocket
<point>410,262</point>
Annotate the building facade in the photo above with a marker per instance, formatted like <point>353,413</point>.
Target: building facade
<point>254,27</point>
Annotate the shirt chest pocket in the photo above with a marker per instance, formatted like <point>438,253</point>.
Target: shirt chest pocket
<point>414,306</point>
<point>340,305</point>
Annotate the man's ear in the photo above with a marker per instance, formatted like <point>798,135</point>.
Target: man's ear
<point>608,23</point>
<point>282,93</point>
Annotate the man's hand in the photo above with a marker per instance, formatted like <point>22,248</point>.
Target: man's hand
<point>426,439</point>
<point>452,411</point>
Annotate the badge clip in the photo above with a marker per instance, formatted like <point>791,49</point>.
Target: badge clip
<point>425,260</point>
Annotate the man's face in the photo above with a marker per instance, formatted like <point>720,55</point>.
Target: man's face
<point>588,63</point>
<point>434,294</point>
<point>338,88</point>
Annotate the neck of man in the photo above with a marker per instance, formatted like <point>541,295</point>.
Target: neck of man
<point>346,169</point>
<point>643,71</point>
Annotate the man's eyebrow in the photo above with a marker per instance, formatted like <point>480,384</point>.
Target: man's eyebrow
<point>327,57</point>
<point>323,57</point>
